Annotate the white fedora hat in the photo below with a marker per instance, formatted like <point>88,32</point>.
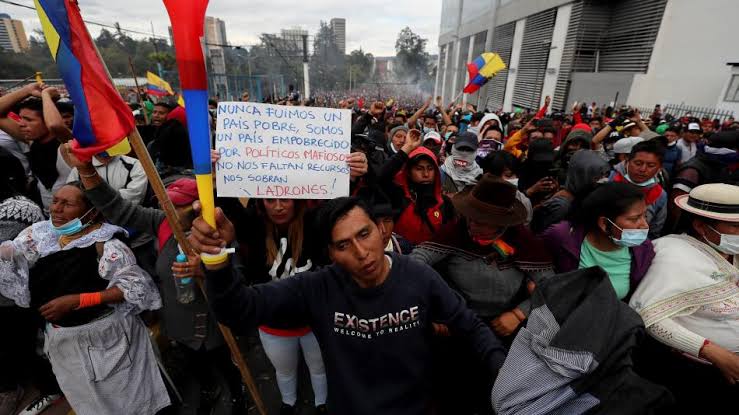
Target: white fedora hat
<point>717,201</point>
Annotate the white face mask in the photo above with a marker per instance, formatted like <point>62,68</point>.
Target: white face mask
<point>729,244</point>
<point>513,181</point>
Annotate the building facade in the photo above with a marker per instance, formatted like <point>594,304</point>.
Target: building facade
<point>215,41</point>
<point>636,52</point>
<point>294,37</point>
<point>12,34</point>
<point>338,25</point>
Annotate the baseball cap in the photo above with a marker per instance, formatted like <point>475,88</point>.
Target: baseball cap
<point>183,191</point>
<point>432,135</point>
<point>466,140</point>
<point>624,145</point>
<point>694,126</point>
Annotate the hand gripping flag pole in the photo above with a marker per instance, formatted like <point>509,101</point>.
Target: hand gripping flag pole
<point>188,24</point>
<point>87,78</point>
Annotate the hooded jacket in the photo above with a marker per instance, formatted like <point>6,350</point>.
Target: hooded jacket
<point>655,197</point>
<point>585,168</point>
<point>486,118</point>
<point>562,161</point>
<point>410,225</point>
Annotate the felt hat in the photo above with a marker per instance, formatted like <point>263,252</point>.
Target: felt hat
<point>491,201</point>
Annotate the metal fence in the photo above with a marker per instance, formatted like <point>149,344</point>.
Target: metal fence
<point>680,110</point>
<point>695,111</point>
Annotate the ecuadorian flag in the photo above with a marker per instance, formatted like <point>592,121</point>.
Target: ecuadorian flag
<point>102,121</point>
<point>482,69</point>
<point>157,86</point>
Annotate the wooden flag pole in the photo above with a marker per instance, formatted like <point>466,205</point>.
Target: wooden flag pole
<point>138,91</point>
<point>137,143</point>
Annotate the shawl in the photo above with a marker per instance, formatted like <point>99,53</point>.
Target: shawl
<point>685,274</point>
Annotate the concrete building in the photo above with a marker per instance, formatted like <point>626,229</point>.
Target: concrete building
<point>294,37</point>
<point>12,34</point>
<point>338,25</point>
<point>636,52</point>
<point>215,40</point>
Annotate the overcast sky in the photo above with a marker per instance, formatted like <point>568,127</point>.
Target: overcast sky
<point>373,25</point>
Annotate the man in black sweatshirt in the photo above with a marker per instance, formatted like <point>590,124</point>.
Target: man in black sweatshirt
<point>370,311</point>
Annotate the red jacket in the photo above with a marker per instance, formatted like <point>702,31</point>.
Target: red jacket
<point>410,225</point>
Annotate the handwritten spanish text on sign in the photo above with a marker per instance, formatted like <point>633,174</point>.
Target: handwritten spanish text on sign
<point>278,152</point>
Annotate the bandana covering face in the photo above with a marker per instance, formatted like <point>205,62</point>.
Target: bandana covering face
<point>462,168</point>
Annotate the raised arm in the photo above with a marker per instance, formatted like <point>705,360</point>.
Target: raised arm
<point>414,118</point>
<point>543,110</point>
<point>52,117</point>
<point>444,115</point>
<point>7,102</point>
<point>114,208</point>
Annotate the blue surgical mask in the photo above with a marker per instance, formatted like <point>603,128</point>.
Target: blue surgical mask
<point>447,135</point>
<point>648,183</point>
<point>72,227</point>
<point>630,237</point>
<point>427,130</point>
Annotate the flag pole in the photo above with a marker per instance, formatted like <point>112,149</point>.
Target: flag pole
<point>138,90</point>
<point>142,154</point>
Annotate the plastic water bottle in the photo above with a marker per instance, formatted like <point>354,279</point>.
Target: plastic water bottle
<point>184,286</point>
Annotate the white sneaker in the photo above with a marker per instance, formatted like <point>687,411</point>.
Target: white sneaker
<point>40,404</point>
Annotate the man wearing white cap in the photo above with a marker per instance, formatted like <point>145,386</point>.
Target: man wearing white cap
<point>689,301</point>
<point>622,148</point>
<point>689,142</point>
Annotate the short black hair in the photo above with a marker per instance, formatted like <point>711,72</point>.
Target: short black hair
<point>548,129</point>
<point>65,107</point>
<point>212,102</point>
<point>334,210</point>
<point>609,200</point>
<point>649,146</point>
<point>33,104</point>
<point>477,116</point>
<point>675,128</point>
<point>164,104</point>
<point>496,162</point>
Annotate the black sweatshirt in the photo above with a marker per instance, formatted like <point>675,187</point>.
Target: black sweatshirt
<point>376,342</point>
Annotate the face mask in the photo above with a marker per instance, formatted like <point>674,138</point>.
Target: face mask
<point>647,183</point>
<point>630,237</point>
<point>427,130</point>
<point>447,135</point>
<point>513,181</point>
<point>72,227</point>
<point>463,160</point>
<point>729,244</point>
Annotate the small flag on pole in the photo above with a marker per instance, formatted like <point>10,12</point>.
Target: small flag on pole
<point>102,120</point>
<point>482,69</point>
<point>157,86</point>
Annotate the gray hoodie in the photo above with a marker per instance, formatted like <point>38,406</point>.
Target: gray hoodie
<point>585,168</point>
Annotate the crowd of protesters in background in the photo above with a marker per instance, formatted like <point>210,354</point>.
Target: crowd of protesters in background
<point>485,262</point>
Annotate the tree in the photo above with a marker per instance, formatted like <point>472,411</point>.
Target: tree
<point>327,65</point>
<point>359,65</point>
<point>411,58</point>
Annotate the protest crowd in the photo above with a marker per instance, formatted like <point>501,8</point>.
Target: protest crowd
<point>484,262</point>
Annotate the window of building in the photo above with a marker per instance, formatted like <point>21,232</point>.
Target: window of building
<point>732,92</point>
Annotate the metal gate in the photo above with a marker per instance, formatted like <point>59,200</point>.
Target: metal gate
<point>532,67</point>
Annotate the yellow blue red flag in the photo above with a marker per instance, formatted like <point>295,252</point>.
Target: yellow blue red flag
<point>482,69</point>
<point>102,120</point>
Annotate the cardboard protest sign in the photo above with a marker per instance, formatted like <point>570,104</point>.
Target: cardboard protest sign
<point>279,152</point>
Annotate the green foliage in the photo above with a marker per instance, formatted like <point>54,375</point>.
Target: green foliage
<point>328,63</point>
<point>114,49</point>
<point>360,66</point>
<point>411,58</point>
